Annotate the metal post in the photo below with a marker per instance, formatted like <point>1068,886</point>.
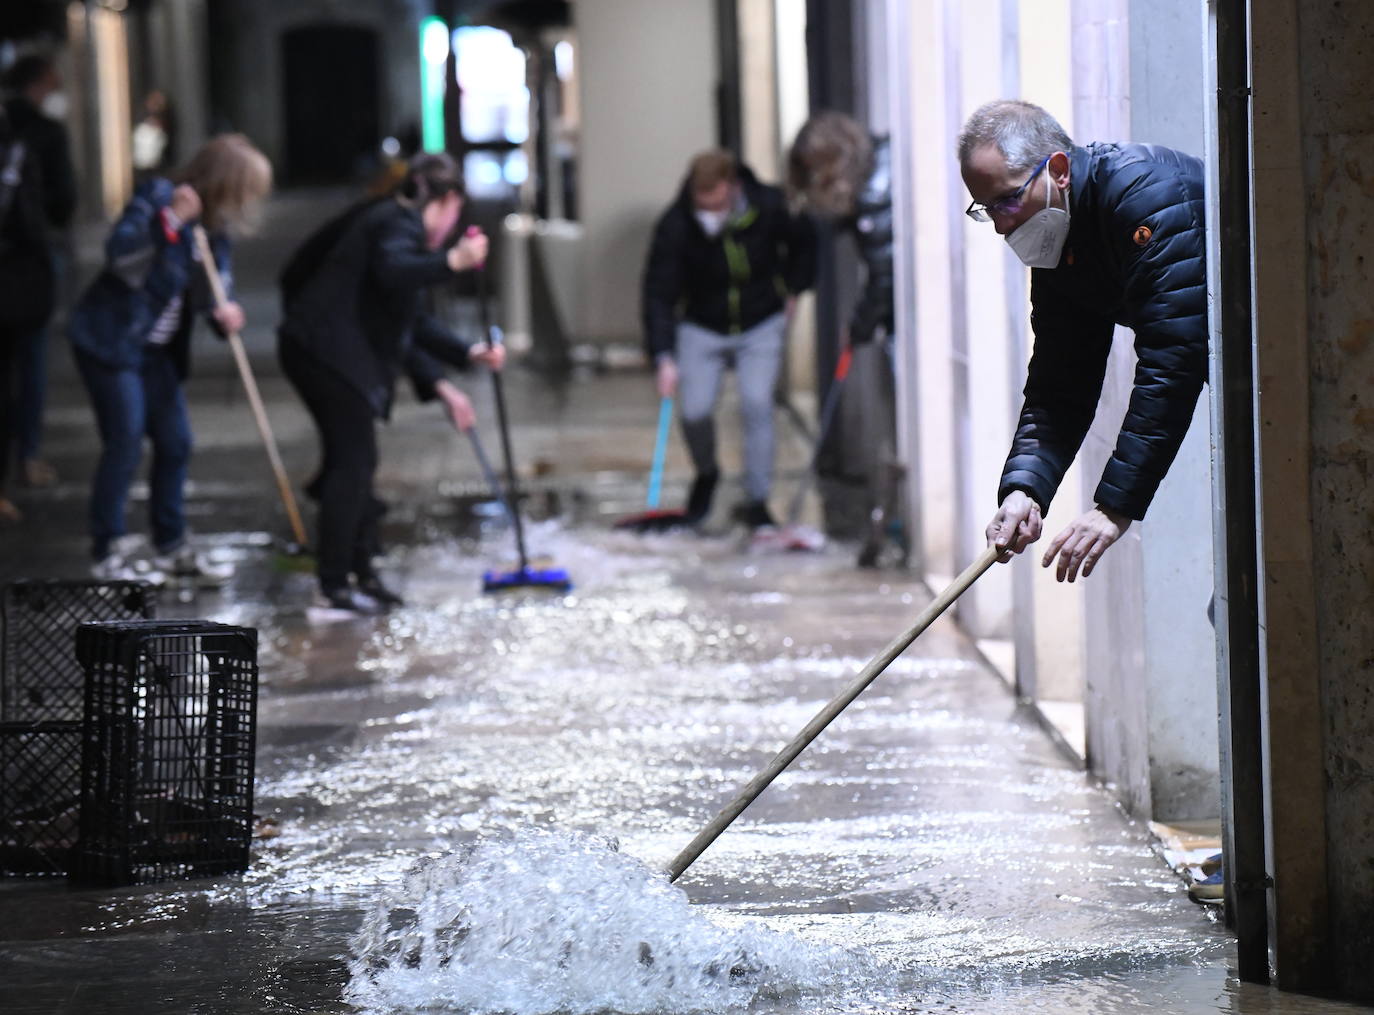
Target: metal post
<point>1237,521</point>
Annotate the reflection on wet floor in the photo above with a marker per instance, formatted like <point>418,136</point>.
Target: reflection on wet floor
<point>930,853</point>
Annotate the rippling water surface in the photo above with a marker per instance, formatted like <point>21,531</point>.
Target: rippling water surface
<point>475,796</point>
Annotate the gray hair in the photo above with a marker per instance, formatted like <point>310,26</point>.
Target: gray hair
<point>1022,131</point>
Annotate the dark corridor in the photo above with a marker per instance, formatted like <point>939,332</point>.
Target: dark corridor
<point>332,96</point>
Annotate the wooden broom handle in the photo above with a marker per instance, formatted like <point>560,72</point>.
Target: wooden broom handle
<point>823,718</point>
<point>250,386</point>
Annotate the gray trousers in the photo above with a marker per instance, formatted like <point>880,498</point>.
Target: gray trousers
<point>756,355</point>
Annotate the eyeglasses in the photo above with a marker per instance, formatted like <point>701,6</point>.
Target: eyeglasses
<point>1005,206</point>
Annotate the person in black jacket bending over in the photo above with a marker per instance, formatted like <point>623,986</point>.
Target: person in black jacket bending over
<point>350,328</point>
<point>726,261</point>
<point>842,174</point>
<point>1113,234</point>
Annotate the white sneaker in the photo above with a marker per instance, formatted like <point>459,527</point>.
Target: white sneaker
<point>115,567</point>
<point>186,564</point>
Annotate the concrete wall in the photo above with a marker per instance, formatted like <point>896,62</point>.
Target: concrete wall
<point>648,75</point>
<point>1336,53</point>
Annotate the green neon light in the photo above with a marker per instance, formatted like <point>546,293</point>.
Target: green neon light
<point>434,50</point>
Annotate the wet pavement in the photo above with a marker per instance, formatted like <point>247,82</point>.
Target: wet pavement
<point>932,852</point>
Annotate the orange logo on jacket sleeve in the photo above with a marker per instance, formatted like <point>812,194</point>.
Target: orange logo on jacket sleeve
<point>1142,235</point>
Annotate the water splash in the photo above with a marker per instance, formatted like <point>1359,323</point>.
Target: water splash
<point>540,922</point>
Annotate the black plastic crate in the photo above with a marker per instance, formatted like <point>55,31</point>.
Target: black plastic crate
<point>40,678</point>
<point>42,696</point>
<point>167,750</point>
<point>40,796</point>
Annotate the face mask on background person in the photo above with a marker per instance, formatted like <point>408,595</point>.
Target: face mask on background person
<point>1039,241</point>
<point>55,105</point>
<point>712,222</point>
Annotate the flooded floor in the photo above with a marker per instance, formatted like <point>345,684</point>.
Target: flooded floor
<point>931,853</point>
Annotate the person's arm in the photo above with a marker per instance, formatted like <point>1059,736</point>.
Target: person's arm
<point>662,288</point>
<point>1063,384</point>
<point>400,260</point>
<point>148,225</point>
<point>874,306</point>
<point>435,344</point>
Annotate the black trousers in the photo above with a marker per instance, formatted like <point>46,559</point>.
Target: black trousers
<point>350,513</point>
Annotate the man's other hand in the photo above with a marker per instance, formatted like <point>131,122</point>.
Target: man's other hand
<point>665,378</point>
<point>1081,545</point>
<point>457,405</point>
<point>1015,526</point>
<point>493,357</point>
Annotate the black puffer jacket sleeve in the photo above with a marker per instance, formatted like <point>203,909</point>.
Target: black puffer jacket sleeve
<point>1136,257</point>
<point>663,285</point>
<point>1063,384</point>
<point>1166,307</point>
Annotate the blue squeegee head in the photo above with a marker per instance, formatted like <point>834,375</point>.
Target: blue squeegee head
<point>554,578</point>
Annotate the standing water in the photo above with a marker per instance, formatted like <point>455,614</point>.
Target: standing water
<point>431,772</point>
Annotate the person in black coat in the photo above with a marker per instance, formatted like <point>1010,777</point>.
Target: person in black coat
<point>353,324</point>
<point>726,261</point>
<point>1114,235</point>
<point>36,109</point>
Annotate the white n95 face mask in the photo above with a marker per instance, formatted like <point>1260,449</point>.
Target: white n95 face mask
<point>712,222</point>
<point>1039,241</point>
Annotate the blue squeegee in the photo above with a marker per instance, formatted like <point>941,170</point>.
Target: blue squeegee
<point>524,576</point>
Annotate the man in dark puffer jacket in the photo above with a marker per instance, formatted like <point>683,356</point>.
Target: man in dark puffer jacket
<point>1114,233</point>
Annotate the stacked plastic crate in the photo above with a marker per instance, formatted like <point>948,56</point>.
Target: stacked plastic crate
<point>42,701</point>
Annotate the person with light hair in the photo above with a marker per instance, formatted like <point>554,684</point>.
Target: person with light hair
<point>727,260</point>
<point>1114,235</point>
<point>130,333</point>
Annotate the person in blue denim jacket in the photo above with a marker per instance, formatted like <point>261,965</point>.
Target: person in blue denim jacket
<point>130,334</point>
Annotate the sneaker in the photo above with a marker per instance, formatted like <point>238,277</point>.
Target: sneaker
<point>351,600</point>
<point>371,585</point>
<point>699,499</point>
<point>115,567</point>
<point>187,565</point>
<point>37,473</point>
<point>756,515</point>
<point>1211,865</point>
<point>1211,890</point>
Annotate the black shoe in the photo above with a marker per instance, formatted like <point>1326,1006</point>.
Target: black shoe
<point>352,600</point>
<point>699,500</point>
<point>756,515</point>
<point>371,585</point>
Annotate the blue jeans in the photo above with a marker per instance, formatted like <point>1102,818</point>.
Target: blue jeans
<point>130,404</point>
<point>32,367</point>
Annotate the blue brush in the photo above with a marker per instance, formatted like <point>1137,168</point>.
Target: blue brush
<point>655,518</point>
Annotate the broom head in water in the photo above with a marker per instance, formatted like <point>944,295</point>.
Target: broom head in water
<point>656,520</point>
<point>554,578</point>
